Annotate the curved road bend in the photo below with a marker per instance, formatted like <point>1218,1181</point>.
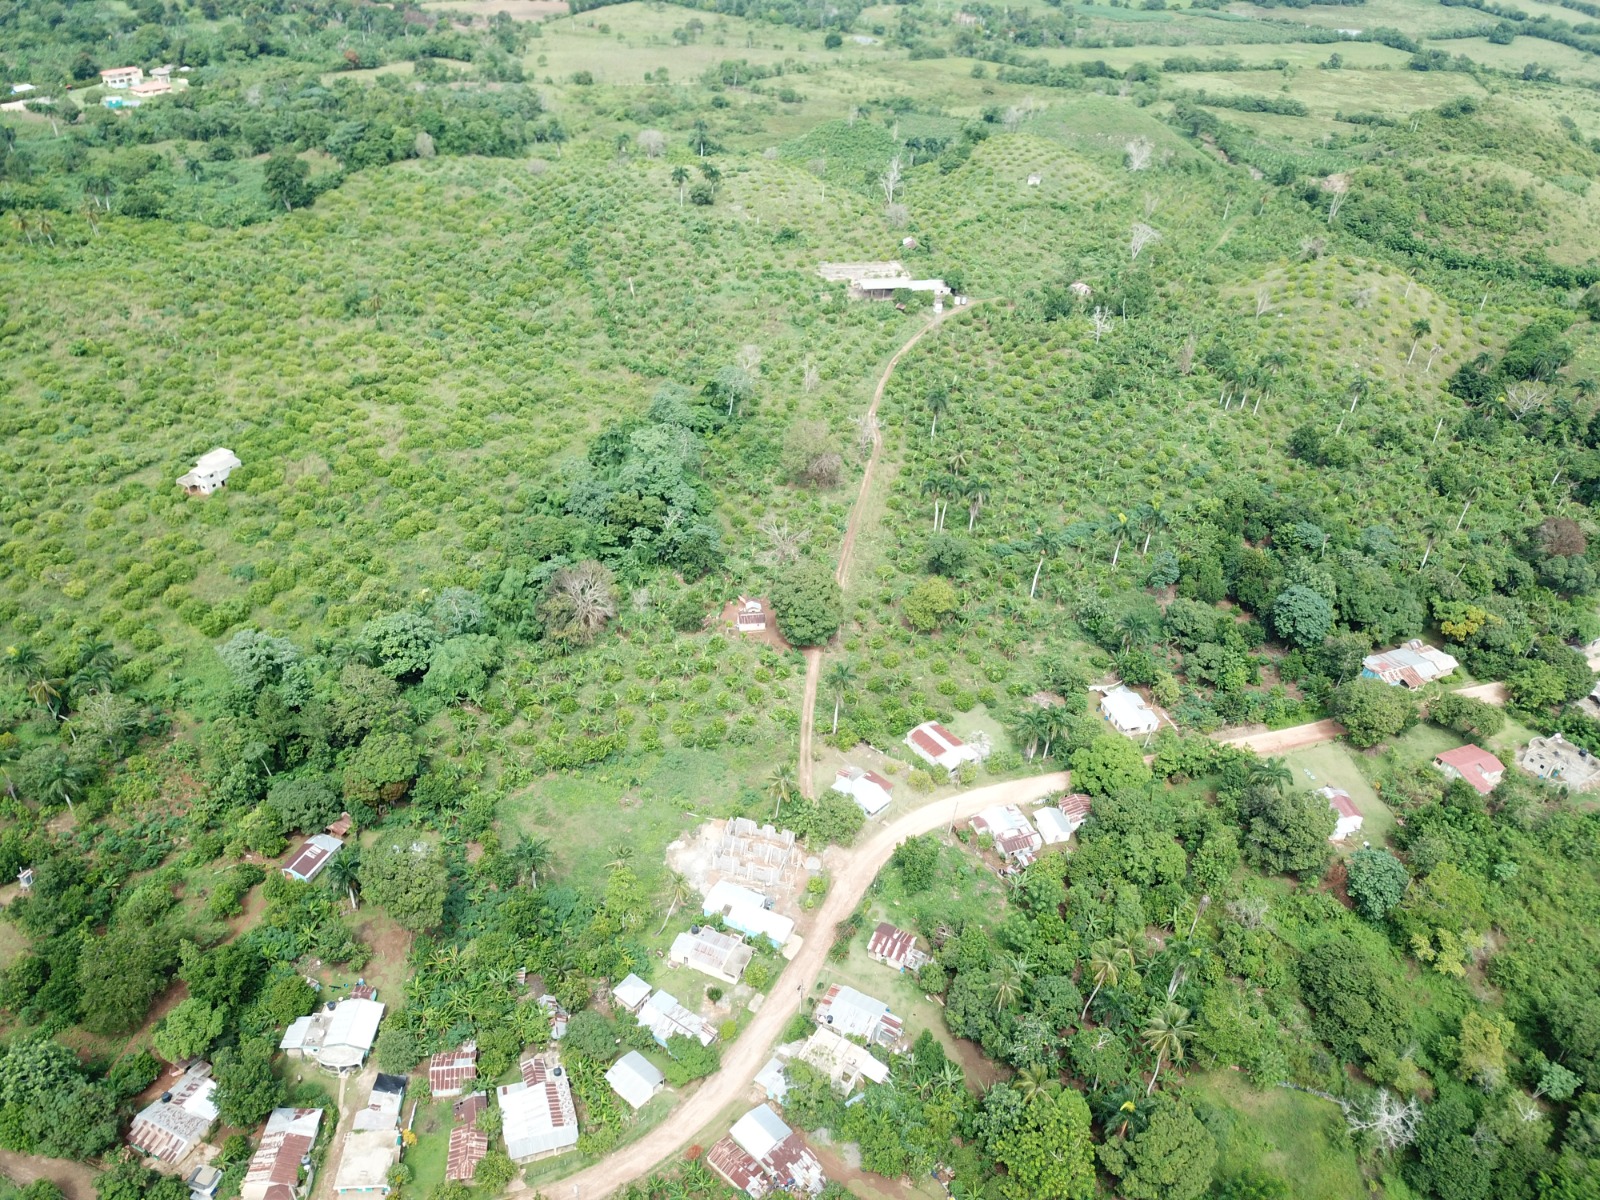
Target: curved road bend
<point>745,1056</point>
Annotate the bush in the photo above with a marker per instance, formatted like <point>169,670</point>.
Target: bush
<point>1372,710</point>
<point>929,603</point>
<point>1469,717</point>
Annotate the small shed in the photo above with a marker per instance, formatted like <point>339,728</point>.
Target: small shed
<point>1127,711</point>
<point>1053,825</point>
<point>751,616</point>
<point>631,993</point>
<point>1349,816</point>
<point>867,788</point>
<point>635,1078</point>
<point>450,1072</point>
<point>312,856</point>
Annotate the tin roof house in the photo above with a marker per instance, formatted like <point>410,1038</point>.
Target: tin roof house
<point>172,1125</point>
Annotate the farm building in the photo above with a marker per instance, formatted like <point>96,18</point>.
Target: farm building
<point>747,911</point>
<point>895,948</point>
<point>537,1115</point>
<point>1127,712</point>
<point>782,1153</point>
<point>309,860</point>
<point>938,747</point>
<point>274,1170</point>
<point>466,1151</point>
<point>1349,815</point>
<point>210,471</point>
<point>884,287</point>
<point>122,77</point>
<point>631,993</point>
<point>173,1124</point>
<point>665,1018</point>
<point>710,952</point>
<point>750,616</point>
<point>1014,837</point>
<point>1412,665</point>
<point>338,1036</point>
<point>151,87</point>
<point>1472,763</point>
<point>1054,826</point>
<point>855,1014</point>
<point>450,1072</point>
<point>1035,179</point>
<point>771,1080</point>
<point>1559,761</point>
<point>867,788</point>
<point>635,1078</point>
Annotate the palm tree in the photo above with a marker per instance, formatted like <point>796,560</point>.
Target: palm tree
<point>1036,1081</point>
<point>344,871</point>
<point>950,1078</point>
<point>960,459</point>
<point>1167,1033</point>
<point>1137,626</point>
<point>1110,963</point>
<point>530,856</point>
<point>840,676</point>
<point>1117,523</point>
<point>938,404</point>
<point>933,486</point>
<point>45,692</point>
<point>680,176</point>
<point>1007,988</point>
<point>678,890</point>
<point>1057,721</point>
<point>21,661</point>
<point>1420,328</point>
<point>976,493</point>
<point>60,777</point>
<point>621,855</point>
<point>781,785</point>
<point>1033,725</point>
<point>1273,773</point>
<point>1149,518</point>
<point>1043,543</point>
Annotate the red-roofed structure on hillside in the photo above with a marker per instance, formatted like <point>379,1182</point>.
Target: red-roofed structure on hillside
<point>1473,764</point>
<point>738,1169</point>
<point>450,1072</point>
<point>467,1148</point>
<point>938,747</point>
<point>274,1170</point>
<point>466,1110</point>
<point>895,948</point>
<point>1075,807</point>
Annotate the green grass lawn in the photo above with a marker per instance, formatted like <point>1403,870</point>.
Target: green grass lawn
<point>1288,1133</point>
<point>427,1158</point>
<point>1336,764</point>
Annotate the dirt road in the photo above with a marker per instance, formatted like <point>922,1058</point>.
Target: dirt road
<point>76,1180</point>
<point>847,548</point>
<point>854,871</point>
<point>1296,737</point>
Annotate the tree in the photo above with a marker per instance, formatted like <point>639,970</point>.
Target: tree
<point>409,879</point>
<point>591,1035</point>
<point>1141,237</point>
<point>381,768</point>
<point>1043,543</point>
<point>120,973</point>
<point>1171,1158</point>
<point>678,890</point>
<point>284,180</point>
<point>1167,1034</point>
<point>1482,1042</point>
<point>344,873</point>
<point>1372,710</point>
<point>929,602</point>
<point>1286,833</point>
<point>690,1059</point>
<point>1302,617</point>
<point>1377,882</point>
<point>1110,963</point>
<point>839,679</point>
<point>495,1169</point>
<point>938,404</point>
<point>652,142</point>
<point>1047,1153</point>
<point>257,659</point>
<point>579,602</point>
<point>680,176</point>
<point>1108,764</point>
<point>1557,1083</point>
<point>398,1049</point>
<point>247,1090</point>
<point>48,1106</point>
<point>918,861</point>
<point>400,645</point>
<point>304,802</point>
<point>528,857</point>
<point>1469,717</point>
<point>1420,328</point>
<point>189,1030</point>
<point>781,786</point>
<point>808,603</point>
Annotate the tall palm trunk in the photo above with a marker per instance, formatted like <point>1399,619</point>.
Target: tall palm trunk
<point>1160,1059</point>
<point>1036,571</point>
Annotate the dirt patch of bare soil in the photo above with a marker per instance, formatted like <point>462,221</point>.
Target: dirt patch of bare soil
<point>520,10</point>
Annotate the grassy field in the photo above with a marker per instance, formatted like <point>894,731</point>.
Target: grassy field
<point>1337,765</point>
<point>1298,1137</point>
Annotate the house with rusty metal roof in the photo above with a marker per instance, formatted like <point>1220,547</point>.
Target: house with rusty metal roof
<point>177,1121</point>
<point>274,1170</point>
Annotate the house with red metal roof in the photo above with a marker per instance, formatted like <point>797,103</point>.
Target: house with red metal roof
<point>1349,816</point>
<point>175,1123</point>
<point>896,948</point>
<point>450,1072</point>
<point>1473,764</point>
<point>1012,833</point>
<point>737,1169</point>
<point>312,856</point>
<point>467,1148</point>
<point>938,747</point>
<point>867,788</point>
<point>1411,665</point>
<point>274,1170</point>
